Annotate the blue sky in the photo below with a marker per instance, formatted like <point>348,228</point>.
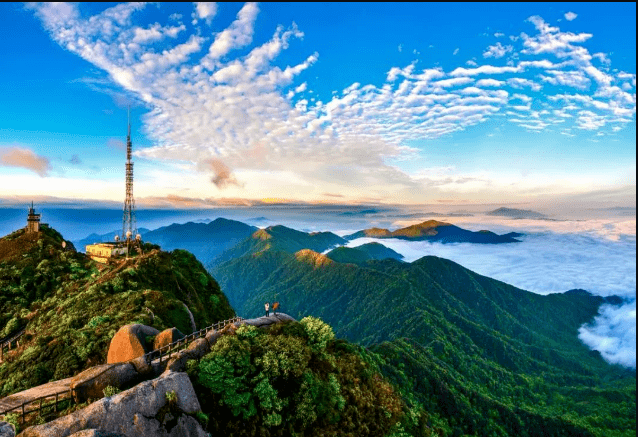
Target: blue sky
<point>524,104</point>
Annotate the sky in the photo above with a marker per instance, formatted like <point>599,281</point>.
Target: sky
<point>518,104</point>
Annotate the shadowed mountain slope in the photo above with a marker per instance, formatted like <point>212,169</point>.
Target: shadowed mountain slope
<point>363,253</point>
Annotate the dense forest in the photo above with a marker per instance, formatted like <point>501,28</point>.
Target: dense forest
<point>482,357</point>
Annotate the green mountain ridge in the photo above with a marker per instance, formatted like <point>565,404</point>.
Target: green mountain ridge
<point>496,349</point>
<point>294,378</point>
<point>362,253</point>
<point>72,306</point>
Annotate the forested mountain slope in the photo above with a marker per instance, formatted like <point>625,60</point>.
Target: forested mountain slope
<point>452,339</point>
<point>72,306</point>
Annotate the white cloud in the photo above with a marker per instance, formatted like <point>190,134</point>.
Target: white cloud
<point>456,51</point>
<point>239,34</point>
<point>613,334</point>
<point>570,16</point>
<point>497,51</point>
<point>210,100</point>
<point>206,10</point>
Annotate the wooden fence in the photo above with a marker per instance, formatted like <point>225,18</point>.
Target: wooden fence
<point>164,353</point>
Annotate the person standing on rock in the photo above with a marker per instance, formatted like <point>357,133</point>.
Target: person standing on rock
<point>275,307</point>
<point>267,307</point>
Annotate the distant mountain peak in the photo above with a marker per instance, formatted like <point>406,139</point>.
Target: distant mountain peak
<point>435,230</point>
<point>313,258</point>
<point>262,234</point>
<point>515,213</point>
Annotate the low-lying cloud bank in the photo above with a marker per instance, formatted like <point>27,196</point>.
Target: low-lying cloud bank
<point>556,261</point>
<point>542,263</point>
<point>613,334</point>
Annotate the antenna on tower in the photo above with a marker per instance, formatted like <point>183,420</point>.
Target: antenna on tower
<point>129,226</point>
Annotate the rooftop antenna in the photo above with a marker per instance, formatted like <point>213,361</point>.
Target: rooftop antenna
<point>129,227</point>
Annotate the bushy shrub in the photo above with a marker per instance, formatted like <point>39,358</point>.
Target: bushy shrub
<point>109,391</point>
<point>319,332</point>
<point>272,383</point>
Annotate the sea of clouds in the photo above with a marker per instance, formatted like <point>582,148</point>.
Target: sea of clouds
<point>598,256</point>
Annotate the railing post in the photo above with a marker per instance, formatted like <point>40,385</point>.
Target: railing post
<point>55,407</point>
<point>23,413</point>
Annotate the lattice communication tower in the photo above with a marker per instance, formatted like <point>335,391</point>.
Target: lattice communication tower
<point>129,226</point>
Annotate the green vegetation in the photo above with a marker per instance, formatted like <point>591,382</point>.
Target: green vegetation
<point>293,380</point>
<point>480,356</point>
<point>109,390</point>
<point>72,306</point>
<point>363,253</point>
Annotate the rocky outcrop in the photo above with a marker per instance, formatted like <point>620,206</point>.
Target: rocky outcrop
<point>263,322</point>
<point>7,429</point>
<point>91,383</point>
<point>138,412</point>
<point>167,337</point>
<point>194,351</point>
<point>97,433</point>
<point>130,342</point>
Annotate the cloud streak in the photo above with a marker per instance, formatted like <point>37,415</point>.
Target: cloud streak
<point>25,158</point>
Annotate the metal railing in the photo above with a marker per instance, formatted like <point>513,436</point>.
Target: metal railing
<point>9,342</point>
<point>29,407</point>
<point>160,353</point>
<point>177,345</point>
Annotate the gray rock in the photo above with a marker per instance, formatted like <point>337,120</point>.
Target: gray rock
<point>97,433</point>
<point>194,351</point>
<point>212,337</point>
<point>7,429</point>
<point>131,412</point>
<point>187,427</point>
<point>92,382</point>
<point>262,322</point>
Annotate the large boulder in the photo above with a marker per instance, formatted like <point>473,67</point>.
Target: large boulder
<point>194,351</point>
<point>134,412</point>
<point>167,337</point>
<point>130,342</point>
<point>7,429</point>
<point>91,383</point>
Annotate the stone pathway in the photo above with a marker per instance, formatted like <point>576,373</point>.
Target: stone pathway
<point>51,388</point>
<point>48,389</point>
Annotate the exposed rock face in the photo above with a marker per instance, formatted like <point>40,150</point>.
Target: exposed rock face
<point>262,322</point>
<point>134,412</point>
<point>92,382</point>
<point>97,433</point>
<point>166,337</point>
<point>130,342</point>
<point>194,351</point>
<point>7,429</point>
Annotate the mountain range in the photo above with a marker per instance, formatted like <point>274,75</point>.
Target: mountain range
<point>481,356</point>
<point>433,230</point>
